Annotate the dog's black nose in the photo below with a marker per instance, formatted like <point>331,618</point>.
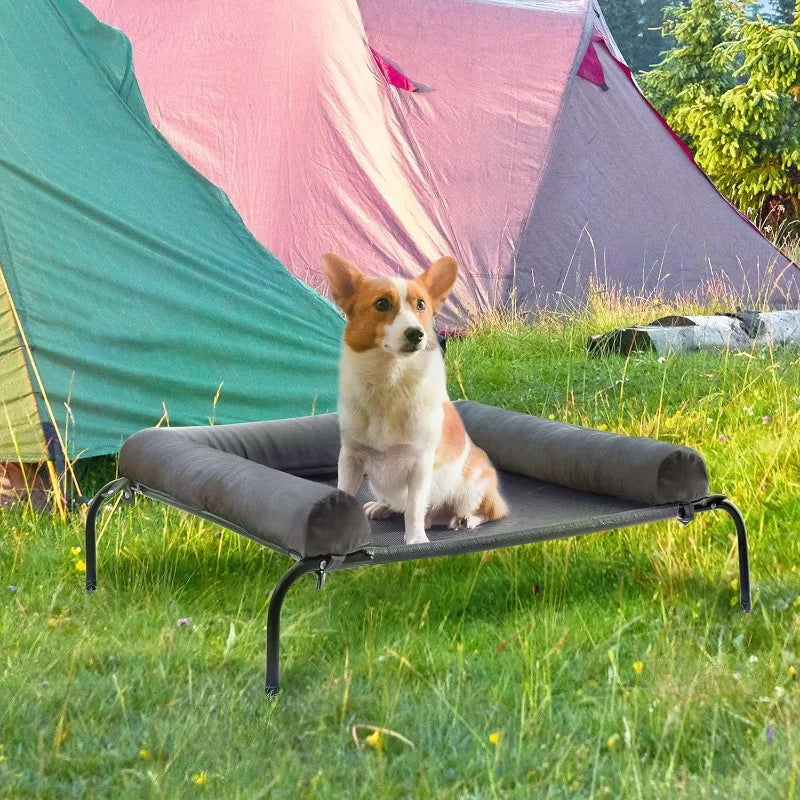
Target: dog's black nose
<point>414,335</point>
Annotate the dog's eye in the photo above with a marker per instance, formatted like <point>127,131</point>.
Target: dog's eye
<point>382,304</point>
<point>420,305</point>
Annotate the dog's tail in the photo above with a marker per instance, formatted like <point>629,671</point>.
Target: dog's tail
<point>493,506</point>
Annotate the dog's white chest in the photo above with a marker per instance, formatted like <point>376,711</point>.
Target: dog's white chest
<point>391,424</point>
<point>381,411</point>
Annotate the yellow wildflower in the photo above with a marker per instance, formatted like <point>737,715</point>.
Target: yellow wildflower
<point>494,737</point>
<point>638,666</point>
<point>612,741</point>
<point>375,739</point>
<point>200,779</point>
<point>792,671</point>
<point>80,565</point>
<point>76,551</point>
<point>144,753</point>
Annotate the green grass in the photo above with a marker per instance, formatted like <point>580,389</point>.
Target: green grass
<point>535,643</point>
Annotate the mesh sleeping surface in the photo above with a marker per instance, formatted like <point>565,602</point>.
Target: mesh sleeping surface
<point>538,511</point>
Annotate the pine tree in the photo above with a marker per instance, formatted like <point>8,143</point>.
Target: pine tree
<point>780,11</point>
<point>635,26</point>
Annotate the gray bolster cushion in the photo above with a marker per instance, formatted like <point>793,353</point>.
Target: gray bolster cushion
<point>241,475</point>
<point>250,475</point>
<point>632,467</point>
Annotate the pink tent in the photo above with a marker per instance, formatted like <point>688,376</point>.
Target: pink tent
<point>527,150</point>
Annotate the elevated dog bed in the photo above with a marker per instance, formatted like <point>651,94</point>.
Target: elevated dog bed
<point>275,482</point>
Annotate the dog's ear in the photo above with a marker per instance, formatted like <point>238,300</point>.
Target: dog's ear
<point>439,278</point>
<point>343,278</point>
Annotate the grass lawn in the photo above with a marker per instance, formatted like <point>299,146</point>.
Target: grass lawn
<point>616,665</point>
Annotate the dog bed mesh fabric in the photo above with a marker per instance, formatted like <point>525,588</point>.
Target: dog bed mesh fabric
<point>538,512</point>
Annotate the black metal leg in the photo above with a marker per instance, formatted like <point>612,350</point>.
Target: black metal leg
<point>91,542</point>
<point>274,618</point>
<point>719,501</point>
<point>744,560</point>
<point>109,490</point>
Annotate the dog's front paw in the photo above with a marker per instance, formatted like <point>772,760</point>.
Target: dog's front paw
<point>374,509</point>
<point>466,523</point>
<point>418,537</point>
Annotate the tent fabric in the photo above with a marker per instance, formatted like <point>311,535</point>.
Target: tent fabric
<point>628,164</point>
<point>21,431</point>
<point>620,62</point>
<point>283,106</point>
<point>289,113</point>
<point>591,69</point>
<point>393,76</point>
<point>140,291</point>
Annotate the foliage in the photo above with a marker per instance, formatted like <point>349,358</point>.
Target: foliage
<point>635,27</point>
<point>780,11</point>
<point>730,88</point>
<point>615,665</point>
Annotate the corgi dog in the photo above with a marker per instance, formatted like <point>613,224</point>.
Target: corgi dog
<point>398,426</point>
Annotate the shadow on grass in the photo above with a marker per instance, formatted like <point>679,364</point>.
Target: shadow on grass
<point>506,609</point>
<point>477,586</point>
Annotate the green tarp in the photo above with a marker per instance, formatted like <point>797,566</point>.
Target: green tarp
<point>138,287</point>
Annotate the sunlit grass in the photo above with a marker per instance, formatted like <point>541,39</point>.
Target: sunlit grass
<point>616,665</point>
